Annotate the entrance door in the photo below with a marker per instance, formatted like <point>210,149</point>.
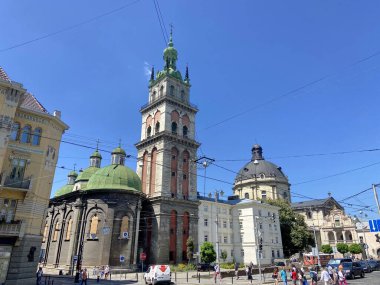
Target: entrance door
<point>5,256</point>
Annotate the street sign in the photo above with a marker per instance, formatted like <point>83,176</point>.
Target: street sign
<point>374,225</point>
<point>142,256</point>
<point>106,230</point>
<point>75,257</point>
<point>122,258</point>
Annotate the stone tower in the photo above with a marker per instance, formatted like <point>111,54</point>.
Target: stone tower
<point>166,154</point>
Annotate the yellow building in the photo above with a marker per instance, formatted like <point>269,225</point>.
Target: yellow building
<point>29,143</point>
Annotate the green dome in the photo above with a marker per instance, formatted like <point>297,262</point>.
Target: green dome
<point>116,177</point>
<point>119,150</point>
<point>73,173</point>
<point>96,154</point>
<point>86,174</point>
<point>64,190</point>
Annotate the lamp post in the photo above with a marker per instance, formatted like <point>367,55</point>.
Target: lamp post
<point>216,195</point>
<point>315,240</point>
<point>258,251</point>
<point>364,236</point>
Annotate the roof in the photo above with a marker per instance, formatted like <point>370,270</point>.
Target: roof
<point>255,168</point>
<point>316,203</point>
<point>86,174</point>
<point>4,75</point>
<point>30,102</point>
<point>119,150</point>
<point>64,190</point>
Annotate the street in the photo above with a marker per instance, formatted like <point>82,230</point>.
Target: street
<point>369,279</point>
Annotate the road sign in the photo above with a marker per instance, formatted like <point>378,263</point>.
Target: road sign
<point>122,258</point>
<point>142,256</point>
<point>374,225</point>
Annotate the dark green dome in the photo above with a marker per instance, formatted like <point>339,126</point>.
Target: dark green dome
<point>114,177</point>
<point>119,150</point>
<point>64,190</point>
<point>73,173</point>
<point>97,154</point>
<point>86,174</point>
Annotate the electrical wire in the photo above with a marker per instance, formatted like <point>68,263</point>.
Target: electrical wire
<point>161,21</point>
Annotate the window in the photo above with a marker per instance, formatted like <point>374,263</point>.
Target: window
<point>241,238</point>
<point>173,173</point>
<point>15,132</point>
<point>157,127</point>
<point>18,169</point>
<point>161,91</point>
<point>246,195</point>
<point>56,231</point>
<point>268,214</point>
<point>285,195</point>
<point>261,226</point>
<point>232,252</point>
<point>225,224</point>
<point>174,128</point>
<point>45,232</point>
<point>206,238</point>
<point>184,177</point>
<point>230,225</point>
<point>278,253</point>
<point>361,239</point>
<point>69,227</point>
<point>205,222</point>
<point>25,135</point>
<point>270,226</point>
<point>241,224</point>
<point>94,226</point>
<point>225,239</point>
<point>171,90</point>
<point>149,131</point>
<point>154,95</point>
<point>239,212</point>
<point>242,252</point>
<point>259,213</point>
<point>337,221</point>
<point>262,175</point>
<point>273,256</point>
<point>309,215</point>
<point>276,239</point>
<point>205,208</point>
<point>275,227</point>
<point>184,131</point>
<point>182,95</point>
<point>36,136</point>
<point>263,195</point>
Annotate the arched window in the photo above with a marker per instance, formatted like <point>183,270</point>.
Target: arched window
<point>148,125</point>
<point>56,231</point>
<point>25,135</point>
<point>69,229</point>
<point>45,232</point>
<point>157,117</point>
<point>36,136</point>
<point>15,131</point>
<point>144,172</point>
<point>152,182</point>
<point>337,221</point>
<point>174,166</point>
<point>173,237</point>
<point>174,128</point>
<point>148,131</point>
<point>94,222</point>
<point>124,227</point>
<point>184,131</point>
<point>171,90</point>
<point>157,127</point>
<point>161,91</point>
<point>154,95</point>
<point>246,195</point>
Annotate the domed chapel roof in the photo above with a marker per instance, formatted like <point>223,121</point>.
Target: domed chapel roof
<point>258,166</point>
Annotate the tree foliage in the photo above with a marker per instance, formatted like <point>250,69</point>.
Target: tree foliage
<point>342,248</point>
<point>295,234</point>
<point>326,248</point>
<point>355,248</point>
<point>223,255</point>
<point>208,253</point>
<point>189,248</point>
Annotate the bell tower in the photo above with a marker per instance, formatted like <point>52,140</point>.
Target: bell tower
<point>166,152</point>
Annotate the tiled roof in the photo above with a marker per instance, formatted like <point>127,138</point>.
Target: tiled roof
<point>3,75</point>
<point>315,203</point>
<point>30,102</point>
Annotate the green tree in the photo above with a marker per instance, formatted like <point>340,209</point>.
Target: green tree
<point>223,255</point>
<point>189,248</point>
<point>295,234</point>
<point>326,248</point>
<point>208,253</point>
<point>342,248</point>
<point>355,248</point>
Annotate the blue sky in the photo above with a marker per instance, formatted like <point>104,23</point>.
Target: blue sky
<point>243,57</point>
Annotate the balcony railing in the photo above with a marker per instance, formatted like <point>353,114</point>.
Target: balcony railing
<point>17,183</point>
<point>11,229</point>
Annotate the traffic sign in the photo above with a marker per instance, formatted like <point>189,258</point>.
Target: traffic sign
<point>374,225</point>
<point>75,257</point>
<point>122,258</point>
<point>142,256</point>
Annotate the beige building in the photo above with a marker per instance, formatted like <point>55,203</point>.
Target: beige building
<point>260,179</point>
<point>241,225</point>
<point>29,144</point>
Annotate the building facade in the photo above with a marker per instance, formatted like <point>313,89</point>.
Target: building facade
<point>260,179</point>
<point>29,145</point>
<point>165,154</point>
<point>241,225</point>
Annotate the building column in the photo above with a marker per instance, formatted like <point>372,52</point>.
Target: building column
<point>335,238</point>
<point>344,236</point>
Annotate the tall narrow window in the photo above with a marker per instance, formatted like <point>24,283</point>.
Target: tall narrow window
<point>171,90</point>
<point>56,231</point>
<point>148,131</point>
<point>94,226</point>
<point>15,132</point>
<point>174,128</point>
<point>185,171</point>
<point>45,232</point>
<point>144,173</point>
<point>161,93</point>
<point>184,131</point>
<point>25,135</point>
<point>173,178</point>
<point>182,95</point>
<point>152,182</point>
<point>18,169</point>
<point>263,195</point>
<point>36,136</point>
<point>157,127</point>
<point>69,229</point>
<point>173,237</point>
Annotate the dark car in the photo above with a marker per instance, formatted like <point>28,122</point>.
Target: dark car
<point>366,266</point>
<point>334,263</point>
<point>204,267</point>
<point>279,263</point>
<point>352,269</point>
<point>375,264</point>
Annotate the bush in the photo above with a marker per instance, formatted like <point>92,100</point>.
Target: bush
<point>227,265</point>
<point>182,267</point>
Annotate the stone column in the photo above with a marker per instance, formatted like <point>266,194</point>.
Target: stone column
<point>335,238</point>
<point>344,236</point>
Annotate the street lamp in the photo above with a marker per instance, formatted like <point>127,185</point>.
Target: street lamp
<point>216,195</point>
<point>363,231</point>
<point>315,240</point>
<point>258,245</point>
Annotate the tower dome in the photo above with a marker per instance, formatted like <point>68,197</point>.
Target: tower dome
<point>69,186</point>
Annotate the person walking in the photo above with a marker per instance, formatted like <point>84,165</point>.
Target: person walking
<point>313,276</point>
<point>237,270</point>
<point>284,276</point>
<point>217,272</point>
<point>325,277</point>
<point>275,276</point>
<point>341,277</point>
<point>293,275</point>
<point>39,275</point>
<point>250,270</point>
<point>84,277</point>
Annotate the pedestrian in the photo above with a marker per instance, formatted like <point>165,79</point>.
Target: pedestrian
<point>217,272</point>
<point>335,277</point>
<point>39,275</point>
<point>293,275</point>
<point>102,272</point>
<point>325,277</point>
<point>284,276</point>
<point>330,271</point>
<point>304,279</point>
<point>106,272</point>
<point>84,277</point>
<point>237,270</point>
<point>313,276</point>
<point>250,269</point>
<point>341,277</point>
<point>275,276</point>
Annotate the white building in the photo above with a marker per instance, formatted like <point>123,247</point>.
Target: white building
<point>241,225</point>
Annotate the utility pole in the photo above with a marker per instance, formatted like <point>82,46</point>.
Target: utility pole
<point>258,241</point>
<point>205,162</point>
<point>376,198</point>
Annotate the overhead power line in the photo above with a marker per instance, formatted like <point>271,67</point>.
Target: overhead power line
<point>161,21</point>
<point>68,28</point>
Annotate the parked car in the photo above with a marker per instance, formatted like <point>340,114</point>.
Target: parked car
<point>375,264</point>
<point>204,267</point>
<point>334,263</point>
<point>279,263</point>
<point>352,269</point>
<point>157,274</point>
<point>366,266</point>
